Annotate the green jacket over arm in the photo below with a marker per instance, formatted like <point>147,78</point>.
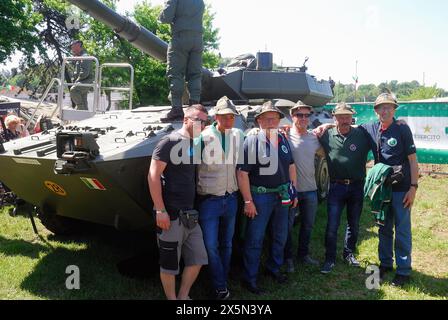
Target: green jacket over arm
<point>378,191</point>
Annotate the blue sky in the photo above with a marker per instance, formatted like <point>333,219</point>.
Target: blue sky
<point>391,40</point>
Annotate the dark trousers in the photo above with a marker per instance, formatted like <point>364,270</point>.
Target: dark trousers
<point>340,196</point>
<point>400,218</point>
<point>307,214</point>
<point>184,64</point>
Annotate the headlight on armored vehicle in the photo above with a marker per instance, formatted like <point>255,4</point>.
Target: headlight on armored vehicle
<point>75,150</point>
<point>77,143</point>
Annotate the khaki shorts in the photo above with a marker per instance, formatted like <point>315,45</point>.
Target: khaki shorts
<point>179,241</point>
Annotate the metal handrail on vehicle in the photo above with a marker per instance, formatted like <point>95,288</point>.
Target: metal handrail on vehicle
<point>94,84</point>
<point>44,96</point>
<point>125,89</point>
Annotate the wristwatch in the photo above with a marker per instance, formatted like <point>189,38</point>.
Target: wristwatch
<point>248,201</point>
<point>415,185</point>
<point>161,211</point>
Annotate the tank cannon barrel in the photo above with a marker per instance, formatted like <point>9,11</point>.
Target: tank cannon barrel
<point>138,36</point>
<point>243,83</point>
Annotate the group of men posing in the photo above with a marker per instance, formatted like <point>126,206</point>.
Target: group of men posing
<point>198,173</point>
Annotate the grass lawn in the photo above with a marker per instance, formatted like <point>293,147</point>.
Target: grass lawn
<point>33,267</point>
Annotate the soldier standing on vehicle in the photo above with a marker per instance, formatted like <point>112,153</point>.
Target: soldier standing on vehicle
<point>184,58</point>
<point>172,183</point>
<point>83,74</point>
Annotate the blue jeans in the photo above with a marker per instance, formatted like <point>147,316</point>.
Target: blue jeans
<point>307,214</point>
<point>217,219</point>
<point>399,217</point>
<point>342,195</point>
<point>269,208</point>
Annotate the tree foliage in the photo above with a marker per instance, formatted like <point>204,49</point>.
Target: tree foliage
<point>44,30</point>
<point>405,91</point>
<point>150,81</point>
<point>18,28</point>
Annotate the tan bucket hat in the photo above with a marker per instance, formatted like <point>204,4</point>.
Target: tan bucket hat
<point>299,105</point>
<point>386,98</point>
<point>269,106</point>
<point>343,108</point>
<point>225,106</point>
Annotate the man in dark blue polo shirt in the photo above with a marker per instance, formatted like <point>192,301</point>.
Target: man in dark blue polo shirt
<point>393,144</point>
<point>346,150</point>
<point>264,179</point>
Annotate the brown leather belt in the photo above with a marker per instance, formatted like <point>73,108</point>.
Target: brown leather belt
<point>346,181</point>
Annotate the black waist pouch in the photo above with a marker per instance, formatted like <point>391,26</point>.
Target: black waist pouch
<point>396,175</point>
<point>189,218</point>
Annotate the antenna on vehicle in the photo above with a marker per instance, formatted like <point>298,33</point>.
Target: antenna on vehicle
<point>303,68</point>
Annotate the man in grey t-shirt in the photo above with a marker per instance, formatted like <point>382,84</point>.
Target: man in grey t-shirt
<point>304,146</point>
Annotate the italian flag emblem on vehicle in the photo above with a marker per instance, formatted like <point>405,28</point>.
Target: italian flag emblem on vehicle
<point>93,183</point>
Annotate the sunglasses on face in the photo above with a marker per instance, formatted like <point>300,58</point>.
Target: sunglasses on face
<point>203,122</point>
<point>302,115</point>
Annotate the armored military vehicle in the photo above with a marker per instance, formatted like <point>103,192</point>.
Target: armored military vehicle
<point>93,166</point>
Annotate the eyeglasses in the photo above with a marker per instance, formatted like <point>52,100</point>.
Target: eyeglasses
<point>302,115</point>
<point>203,122</point>
<point>385,108</point>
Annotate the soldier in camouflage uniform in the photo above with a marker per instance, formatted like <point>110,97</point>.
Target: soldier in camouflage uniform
<point>82,74</point>
<point>184,59</point>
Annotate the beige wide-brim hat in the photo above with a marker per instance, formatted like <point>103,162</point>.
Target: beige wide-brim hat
<point>299,105</point>
<point>225,106</point>
<point>343,108</point>
<point>269,106</point>
<point>386,98</point>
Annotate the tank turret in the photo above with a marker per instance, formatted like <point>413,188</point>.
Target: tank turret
<point>256,80</point>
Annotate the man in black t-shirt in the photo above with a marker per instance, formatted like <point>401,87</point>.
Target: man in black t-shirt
<point>172,186</point>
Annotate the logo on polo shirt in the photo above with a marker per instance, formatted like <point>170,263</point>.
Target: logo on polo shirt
<point>392,142</point>
<point>285,150</point>
<point>352,147</point>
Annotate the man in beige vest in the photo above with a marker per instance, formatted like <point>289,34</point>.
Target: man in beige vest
<point>217,192</point>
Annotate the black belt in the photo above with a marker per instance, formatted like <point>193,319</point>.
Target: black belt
<point>346,181</point>
<point>201,198</point>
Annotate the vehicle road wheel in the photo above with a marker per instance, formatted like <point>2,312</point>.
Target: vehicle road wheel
<point>57,224</point>
<point>322,178</point>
